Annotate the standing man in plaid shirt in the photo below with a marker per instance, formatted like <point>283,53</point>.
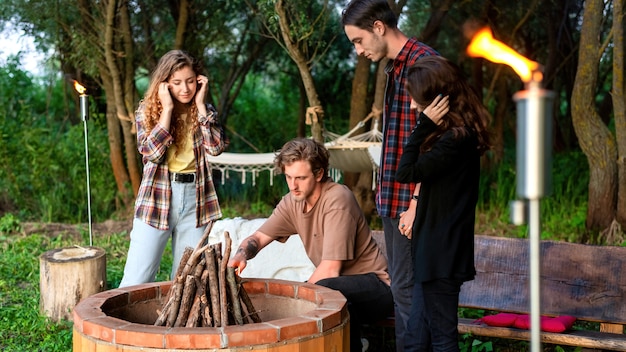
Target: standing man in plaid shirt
<point>371,26</point>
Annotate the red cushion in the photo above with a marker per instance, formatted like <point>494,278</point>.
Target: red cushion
<point>500,319</point>
<point>557,324</point>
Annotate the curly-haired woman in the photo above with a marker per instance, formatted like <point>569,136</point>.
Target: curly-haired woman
<point>176,130</point>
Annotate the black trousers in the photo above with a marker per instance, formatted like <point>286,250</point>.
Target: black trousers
<point>369,300</point>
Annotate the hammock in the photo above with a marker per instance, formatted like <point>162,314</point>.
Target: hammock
<point>360,153</point>
<point>243,163</point>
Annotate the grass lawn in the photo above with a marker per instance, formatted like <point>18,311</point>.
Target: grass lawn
<point>23,328</point>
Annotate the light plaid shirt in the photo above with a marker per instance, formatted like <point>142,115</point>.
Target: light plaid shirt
<point>398,121</point>
<point>153,200</point>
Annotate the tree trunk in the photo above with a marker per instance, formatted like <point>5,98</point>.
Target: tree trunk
<point>315,111</point>
<point>117,73</point>
<point>359,107</point>
<point>131,97</point>
<point>595,139</point>
<point>68,275</point>
<point>116,145</point>
<point>181,24</point>
<point>619,106</point>
<point>358,110</point>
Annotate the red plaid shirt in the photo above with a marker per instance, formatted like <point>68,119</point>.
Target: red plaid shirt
<point>153,200</point>
<point>398,121</point>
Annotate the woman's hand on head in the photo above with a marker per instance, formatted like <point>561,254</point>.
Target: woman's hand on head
<point>164,96</point>
<point>201,89</point>
<point>438,108</point>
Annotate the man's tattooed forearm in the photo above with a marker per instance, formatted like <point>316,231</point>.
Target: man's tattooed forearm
<point>249,249</point>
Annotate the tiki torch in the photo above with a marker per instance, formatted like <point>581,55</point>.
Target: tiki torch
<point>84,114</point>
<point>533,155</point>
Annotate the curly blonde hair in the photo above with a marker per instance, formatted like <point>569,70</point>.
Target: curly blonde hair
<point>170,63</point>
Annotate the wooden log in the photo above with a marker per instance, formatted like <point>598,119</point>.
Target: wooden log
<point>189,291</point>
<point>194,259</point>
<point>252,313</point>
<point>233,291</point>
<point>163,314</point>
<point>205,274</point>
<point>223,262</point>
<point>178,286</point>
<point>204,237</point>
<point>185,257</point>
<point>221,288</point>
<point>68,275</point>
<point>172,314</point>
<point>205,306</point>
<point>213,286</point>
<point>194,313</point>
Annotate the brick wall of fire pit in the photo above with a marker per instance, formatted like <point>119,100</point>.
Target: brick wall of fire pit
<point>295,315</point>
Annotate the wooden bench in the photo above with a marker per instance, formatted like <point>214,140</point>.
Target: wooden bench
<point>584,281</point>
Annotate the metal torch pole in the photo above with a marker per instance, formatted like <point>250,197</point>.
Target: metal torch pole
<point>534,174</point>
<point>84,111</point>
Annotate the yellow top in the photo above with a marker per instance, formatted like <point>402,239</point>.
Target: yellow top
<point>182,160</point>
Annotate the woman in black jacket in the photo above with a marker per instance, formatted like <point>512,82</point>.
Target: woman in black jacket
<point>443,154</point>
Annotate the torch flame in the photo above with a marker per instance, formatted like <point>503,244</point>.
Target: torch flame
<point>484,45</point>
<point>79,88</point>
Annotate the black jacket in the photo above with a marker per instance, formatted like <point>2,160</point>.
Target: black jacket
<point>443,231</point>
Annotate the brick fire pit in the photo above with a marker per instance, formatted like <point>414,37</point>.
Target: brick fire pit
<point>295,315</point>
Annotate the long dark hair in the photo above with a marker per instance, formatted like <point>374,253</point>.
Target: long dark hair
<point>434,75</point>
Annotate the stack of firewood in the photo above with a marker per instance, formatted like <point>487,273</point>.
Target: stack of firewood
<point>206,292</point>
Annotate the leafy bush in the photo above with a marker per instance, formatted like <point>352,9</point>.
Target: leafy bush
<point>46,174</point>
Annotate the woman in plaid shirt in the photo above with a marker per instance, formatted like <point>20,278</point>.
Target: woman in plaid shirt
<point>176,130</point>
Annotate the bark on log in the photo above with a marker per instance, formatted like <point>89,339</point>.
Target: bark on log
<point>173,311</point>
<point>221,275</point>
<point>163,315</point>
<point>252,313</point>
<point>194,313</point>
<point>204,237</point>
<point>233,291</point>
<point>205,306</point>
<point>189,291</point>
<point>213,287</point>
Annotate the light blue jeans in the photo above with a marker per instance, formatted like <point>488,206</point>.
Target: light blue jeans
<point>148,243</point>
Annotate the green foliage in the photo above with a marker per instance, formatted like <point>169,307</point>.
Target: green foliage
<point>262,120</point>
<point>470,344</point>
<point>45,177</point>
<point>563,210</point>
<point>9,223</point>
<point>22,327</point>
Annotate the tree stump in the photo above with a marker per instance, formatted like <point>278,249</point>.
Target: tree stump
<point>68,275</point>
